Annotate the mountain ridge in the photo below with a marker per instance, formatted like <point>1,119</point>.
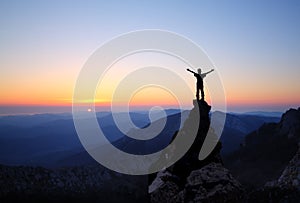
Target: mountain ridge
<point>266,151</point>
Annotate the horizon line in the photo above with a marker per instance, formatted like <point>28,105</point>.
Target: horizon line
<point>139,110</point>
<point>31,109</point>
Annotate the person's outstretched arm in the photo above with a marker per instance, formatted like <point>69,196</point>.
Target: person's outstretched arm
<point>209,71</point>
<point>203,75</point>
<point>191,71</point>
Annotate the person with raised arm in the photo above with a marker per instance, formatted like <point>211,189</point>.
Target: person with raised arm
<point>199,86</point>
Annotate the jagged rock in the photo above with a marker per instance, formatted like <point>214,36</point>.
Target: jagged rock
<point>290,123</point>
<point>212,183</point>
<point>286,188</point>
<point>290,177</point>
<point>191,180</point>
<point>163,188</point>
<point>159,181</point>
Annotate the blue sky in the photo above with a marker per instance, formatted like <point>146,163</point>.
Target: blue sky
<point>254,44</point>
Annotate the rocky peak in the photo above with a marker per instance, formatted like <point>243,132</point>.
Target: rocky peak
<point>192,180</point>
<point>290,122</point>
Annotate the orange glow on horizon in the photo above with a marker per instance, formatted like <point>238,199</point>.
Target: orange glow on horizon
<point>154,97</point>
<point>152,101</point>
<point>162,104</point>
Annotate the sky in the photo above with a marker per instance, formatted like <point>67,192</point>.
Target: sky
<point>254,46</point>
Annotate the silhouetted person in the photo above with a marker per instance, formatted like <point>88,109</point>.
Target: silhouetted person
<point>199,85</point>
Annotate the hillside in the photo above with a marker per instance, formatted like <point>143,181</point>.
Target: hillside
<point>266,151</point>
<point>237,126</point>
<point>76,184</point>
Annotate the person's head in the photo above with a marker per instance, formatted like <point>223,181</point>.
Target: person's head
<point>199,70</point>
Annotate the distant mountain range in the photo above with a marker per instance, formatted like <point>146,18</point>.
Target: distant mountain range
<point>262,113</point>
<point>50,139</point>
<point>133,146</point>
<point>46,139</point>
<point>237,126</point>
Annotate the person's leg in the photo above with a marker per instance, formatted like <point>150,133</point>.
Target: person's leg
<point>202,93</point>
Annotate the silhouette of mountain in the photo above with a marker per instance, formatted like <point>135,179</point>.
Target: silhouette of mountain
<point>263,113</point>
<point>32,120</point>
<point>44,139</point>
<point>155,144</point>
<point>266,151</point>
<point>21,145</point>
<point>130,145</point>
<point>47,139</point>
<point>237,126</point>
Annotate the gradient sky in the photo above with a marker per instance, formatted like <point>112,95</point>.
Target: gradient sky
<point>255,45</point>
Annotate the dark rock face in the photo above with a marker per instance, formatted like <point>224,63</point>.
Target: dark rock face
<point>285,189</point>
<point>267,151</point>
<point>290,123</point>
<point>212,183</point>
<point>191,180</point>
<point>164,188</point>
<point>290,177</point>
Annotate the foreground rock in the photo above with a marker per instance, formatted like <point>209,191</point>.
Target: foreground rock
<point>191,180</point>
